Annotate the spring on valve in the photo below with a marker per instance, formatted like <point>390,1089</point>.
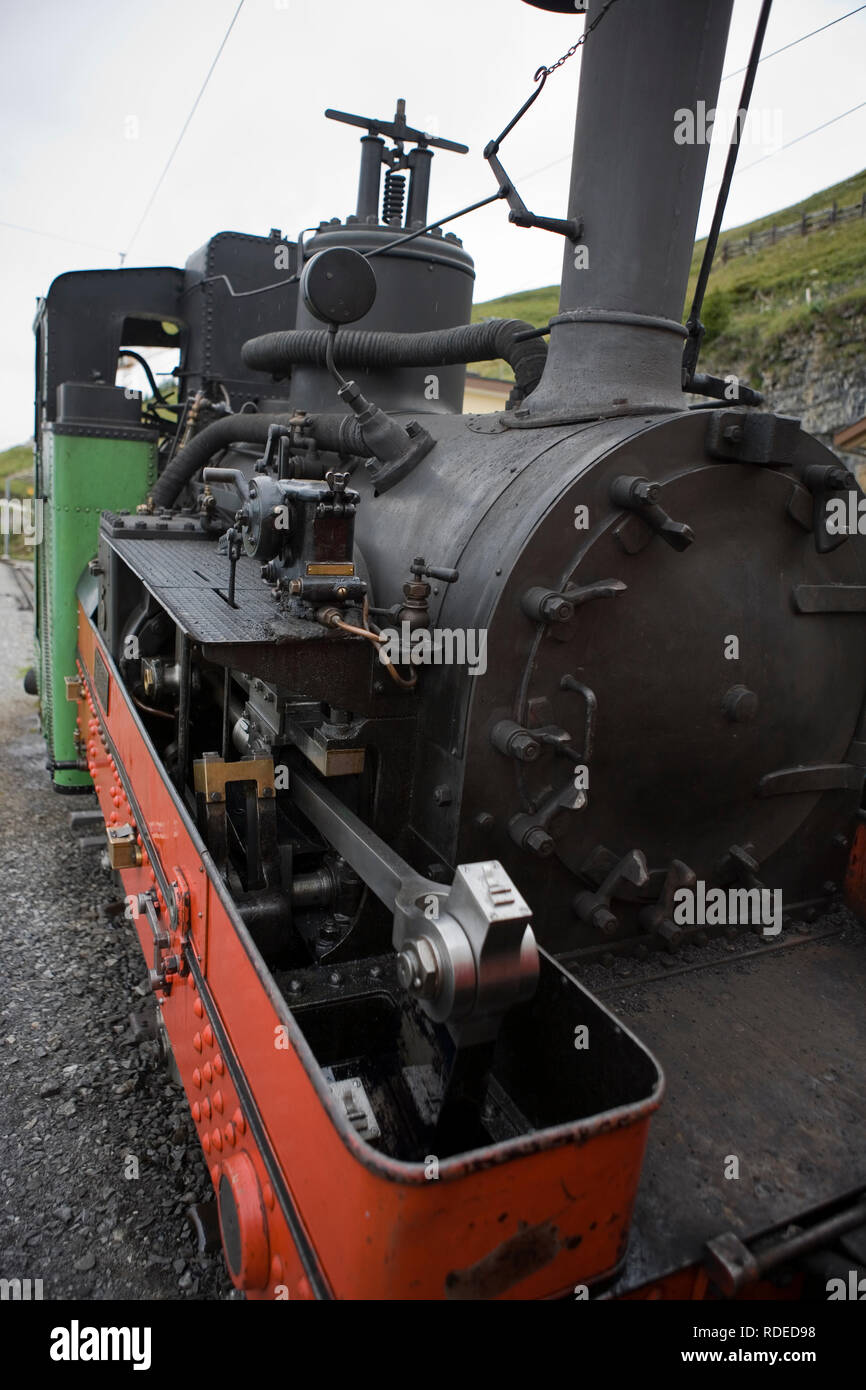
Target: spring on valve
<point>393,195</point>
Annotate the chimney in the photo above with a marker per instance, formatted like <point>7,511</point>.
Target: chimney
<point>616,344</point>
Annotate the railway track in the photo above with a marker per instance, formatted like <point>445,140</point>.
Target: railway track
<point>22,574</point>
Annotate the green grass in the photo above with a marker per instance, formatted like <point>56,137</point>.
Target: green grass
<point>15,460</point>
<point>756,302</point>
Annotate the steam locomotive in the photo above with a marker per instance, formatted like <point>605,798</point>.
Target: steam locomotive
<point>405,724</point>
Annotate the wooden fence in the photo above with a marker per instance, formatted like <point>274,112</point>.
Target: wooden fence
<point>809,222</point>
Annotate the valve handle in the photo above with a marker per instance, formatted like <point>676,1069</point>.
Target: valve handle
<point>421,570</point>
<point>397,129</point>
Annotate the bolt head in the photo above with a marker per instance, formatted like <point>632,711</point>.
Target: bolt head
<point>557,610</point>
<point>603,919</point>
<point>539,842</point>
<point>525,748</point>
<point>418,968</point>
<point>740,704</point>
<point>405,969</point>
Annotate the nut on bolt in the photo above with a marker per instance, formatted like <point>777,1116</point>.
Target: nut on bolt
<point>546,605</point>
<point>418,968</point>
<point>539,842</point>
<point>557,609</point>
<point>514,741</point>
<point>603,920</point>
<point>646,491</point>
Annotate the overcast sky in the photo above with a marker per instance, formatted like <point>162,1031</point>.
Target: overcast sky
<point>94,94</point>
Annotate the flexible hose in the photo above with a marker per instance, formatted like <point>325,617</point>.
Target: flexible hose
<point>473,342</point>
<point>277,352</point>
<point>243,428</point>
<point>337,433</point>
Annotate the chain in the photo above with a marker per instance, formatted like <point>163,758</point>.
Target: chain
<point>582,40</point>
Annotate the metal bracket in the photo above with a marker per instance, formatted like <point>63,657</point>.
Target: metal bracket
<point>738,437</point>
<point>659,917</point>
<point>594,908</point>
<point>739,866</point>
<point>357,1106</point>
<point>641,496</point>
<point>520,216</point>
<point>822,479</point>
<point>212,776</point>
<point>557,606</point>
<point>331,761</point>
<point>147,904</point>
<point>529,830</point>
<point>124,851</point>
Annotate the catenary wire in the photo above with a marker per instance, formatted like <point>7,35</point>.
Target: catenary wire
<point>184,128</point>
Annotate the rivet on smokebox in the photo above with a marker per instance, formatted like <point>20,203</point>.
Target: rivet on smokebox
<point>207,1072</point>
<point>196,1111</point>
<point>205,1143</point>
<point>205,1108</point>
<point>217,1140</point>
<point>218,1064</point>
<point>198,1007</point>
<point>196,1042</point>
<point>240,1123</point>
<point>207,1035</point>
<point>218,1102</point>
<point>196,1078</point>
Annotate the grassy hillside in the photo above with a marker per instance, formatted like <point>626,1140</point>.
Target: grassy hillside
<point>756,301</point>
<point>15,460</point>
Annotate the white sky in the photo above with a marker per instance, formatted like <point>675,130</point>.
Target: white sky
<point>79,77</point>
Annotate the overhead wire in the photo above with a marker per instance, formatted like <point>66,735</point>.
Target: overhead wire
<point>793,44</point>
<point>790,143</point>
<point>55,236</point>
<point>177,144</point>
<point>110,250</point>
<point>736,73</point>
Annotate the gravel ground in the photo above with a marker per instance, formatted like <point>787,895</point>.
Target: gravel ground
<point>81,1095</point>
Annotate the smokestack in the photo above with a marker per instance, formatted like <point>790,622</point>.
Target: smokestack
<point>616,344</point>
